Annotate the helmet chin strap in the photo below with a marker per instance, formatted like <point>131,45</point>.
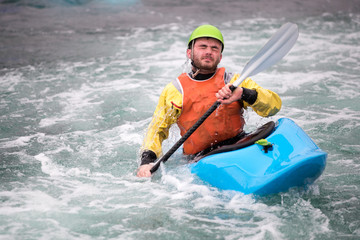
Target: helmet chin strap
<point>194,74</point>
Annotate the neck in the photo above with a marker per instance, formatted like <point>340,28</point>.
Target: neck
<point>203,76</point>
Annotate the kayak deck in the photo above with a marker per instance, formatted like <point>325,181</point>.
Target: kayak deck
<point>293,160</point>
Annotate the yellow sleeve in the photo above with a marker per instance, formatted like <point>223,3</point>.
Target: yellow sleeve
<point>166,113</point>
<point>267,104</point>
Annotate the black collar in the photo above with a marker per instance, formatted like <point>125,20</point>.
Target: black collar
<point>204,76</point>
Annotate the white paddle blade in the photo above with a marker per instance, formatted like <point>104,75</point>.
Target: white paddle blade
<point>272,52</point>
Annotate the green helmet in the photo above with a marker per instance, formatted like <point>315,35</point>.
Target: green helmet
<point>207,31</point>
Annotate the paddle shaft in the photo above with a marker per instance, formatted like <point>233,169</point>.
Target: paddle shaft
<point>165,157</point>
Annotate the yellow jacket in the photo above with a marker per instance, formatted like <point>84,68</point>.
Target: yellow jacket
<point>170,102</point>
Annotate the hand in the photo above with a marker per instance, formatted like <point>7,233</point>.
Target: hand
<point>144,170</point>
<point>226,96</point>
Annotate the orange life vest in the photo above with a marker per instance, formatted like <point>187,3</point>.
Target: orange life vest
<point>198,96</point>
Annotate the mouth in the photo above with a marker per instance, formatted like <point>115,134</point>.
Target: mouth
<point>208,59</point>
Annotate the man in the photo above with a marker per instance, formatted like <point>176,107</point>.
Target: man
<point>186,99</point>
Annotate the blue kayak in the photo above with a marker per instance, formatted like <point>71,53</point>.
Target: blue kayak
<point>283,156</point>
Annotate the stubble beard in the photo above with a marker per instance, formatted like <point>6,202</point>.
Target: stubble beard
<point>212,66</point>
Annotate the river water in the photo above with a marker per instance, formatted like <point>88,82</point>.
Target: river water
<point>80,80</point>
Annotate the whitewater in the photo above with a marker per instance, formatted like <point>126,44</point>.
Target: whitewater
<point>79,81</point>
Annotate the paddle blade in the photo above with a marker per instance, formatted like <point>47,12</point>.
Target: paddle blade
<point>272,52</point>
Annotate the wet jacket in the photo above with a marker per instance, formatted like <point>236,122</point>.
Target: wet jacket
<point>170,108</point>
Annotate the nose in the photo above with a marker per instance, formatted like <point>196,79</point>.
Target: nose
<point>209,50</point>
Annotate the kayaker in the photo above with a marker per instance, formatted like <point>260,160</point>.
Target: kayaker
<point>187,98</point>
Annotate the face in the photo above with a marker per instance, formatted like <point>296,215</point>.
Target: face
<point>206,54</point>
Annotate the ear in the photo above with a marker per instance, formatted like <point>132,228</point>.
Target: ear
<point>188,53</point>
